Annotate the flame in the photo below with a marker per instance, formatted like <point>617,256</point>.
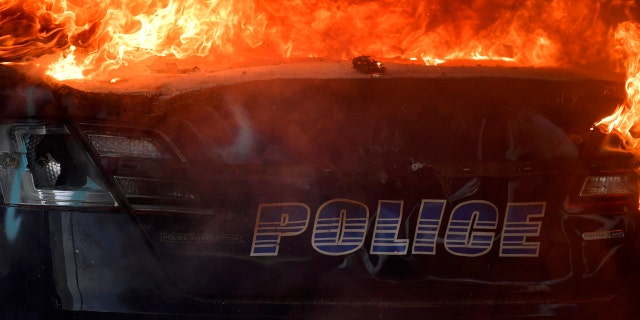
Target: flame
<point>66,68</point>
<point>623,121</point>
<point>97,39</point>
<point>110,39</point>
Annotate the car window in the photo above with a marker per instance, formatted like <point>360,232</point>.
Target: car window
<point>535,137</point>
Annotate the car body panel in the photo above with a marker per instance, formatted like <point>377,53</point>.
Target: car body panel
<point>483,165</point>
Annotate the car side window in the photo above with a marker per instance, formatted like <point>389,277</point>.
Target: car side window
<point>535,137</point>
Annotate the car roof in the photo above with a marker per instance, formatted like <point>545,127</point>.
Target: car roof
<point>162,83</point>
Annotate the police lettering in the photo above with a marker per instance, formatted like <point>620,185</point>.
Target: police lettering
<point>340,227</point>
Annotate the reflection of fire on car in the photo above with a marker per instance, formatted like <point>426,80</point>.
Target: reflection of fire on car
<point>312,189</point>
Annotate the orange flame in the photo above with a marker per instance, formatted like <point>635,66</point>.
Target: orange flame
<point>98,37</point>
<point>623,121</point>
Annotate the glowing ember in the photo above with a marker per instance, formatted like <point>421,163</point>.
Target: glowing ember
<point>112,35</point>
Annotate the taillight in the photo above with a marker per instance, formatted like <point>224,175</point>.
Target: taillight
<point>606,178</point>
<point>44,165</point>
<point>144,165</point>
<point>613,193</point>
<point>609,186</point>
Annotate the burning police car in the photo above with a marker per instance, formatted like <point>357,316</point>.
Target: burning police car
<point>313,190</point>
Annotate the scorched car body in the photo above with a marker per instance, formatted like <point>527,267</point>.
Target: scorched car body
<point>314,190</point>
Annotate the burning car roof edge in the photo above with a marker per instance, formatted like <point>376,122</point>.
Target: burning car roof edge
<point>170,84</point>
